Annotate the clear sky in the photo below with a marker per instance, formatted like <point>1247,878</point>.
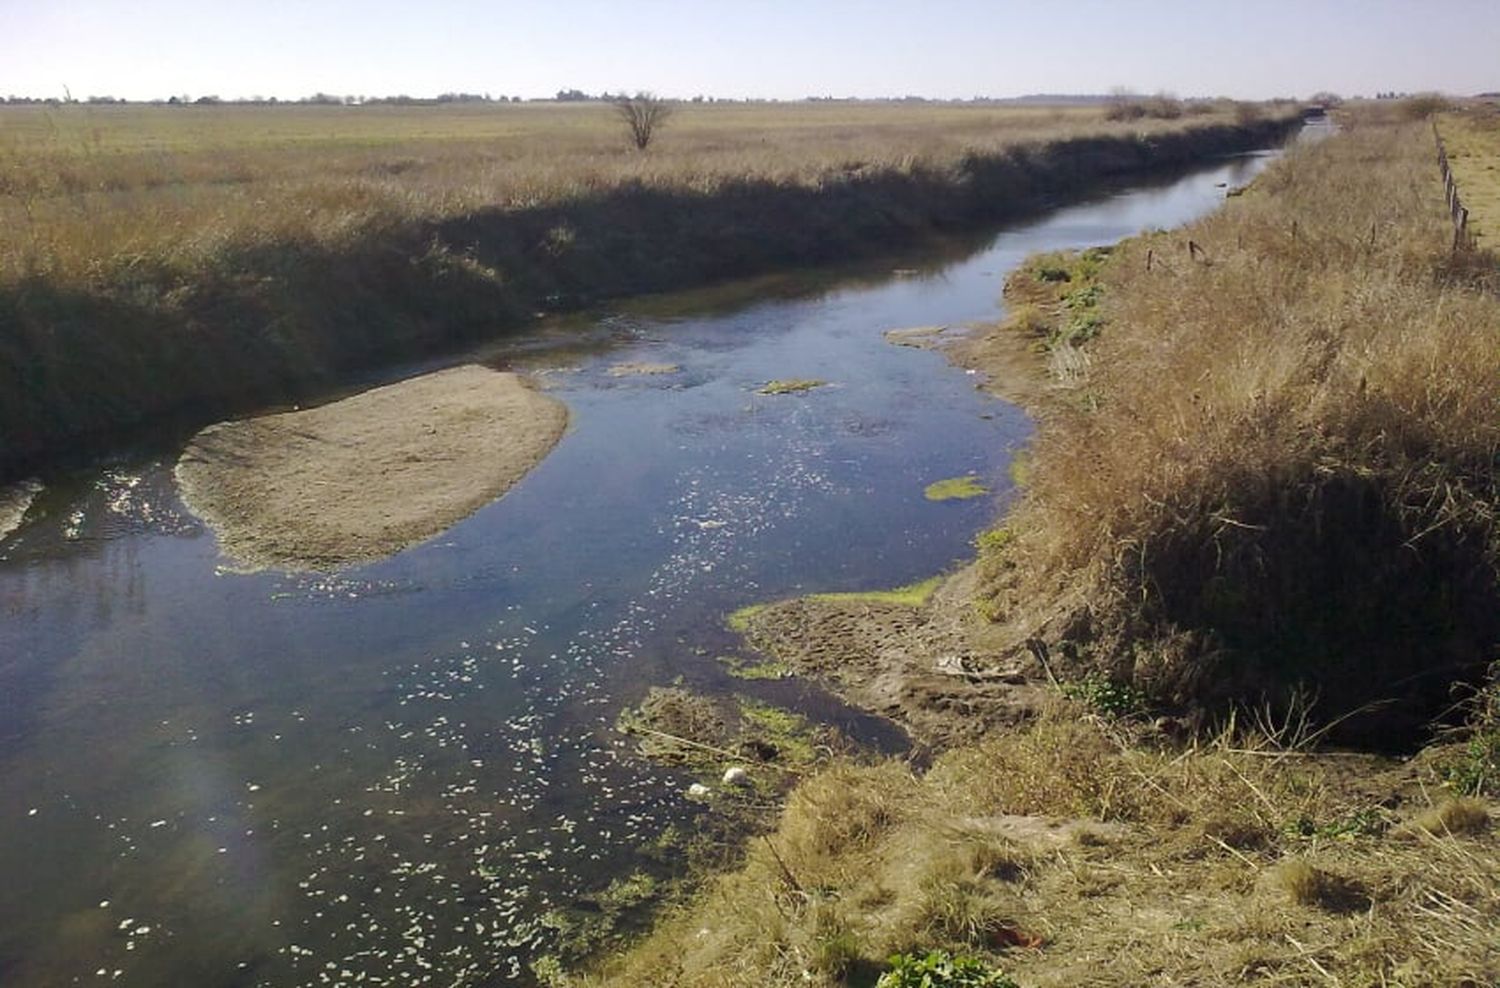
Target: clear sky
<point>758,48</point>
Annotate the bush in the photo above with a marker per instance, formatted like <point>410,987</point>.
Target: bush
<point>941,970</point>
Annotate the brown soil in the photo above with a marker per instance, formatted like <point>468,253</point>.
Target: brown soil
<point>14,500</point>
<point>365,477</point>
<point>932,668</point>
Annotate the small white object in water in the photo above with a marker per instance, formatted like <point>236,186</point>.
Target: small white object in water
<point>736,776</point>
<point>104,904</point>
<point>32,812</point>
<point>699,791</point>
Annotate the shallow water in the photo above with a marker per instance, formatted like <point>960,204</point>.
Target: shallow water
<point>389,775</point>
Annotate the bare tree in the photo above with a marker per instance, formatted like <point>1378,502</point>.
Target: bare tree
<point>643,113</point>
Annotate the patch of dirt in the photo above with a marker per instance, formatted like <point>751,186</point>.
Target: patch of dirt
<point>365,477</point>
<point>642,369</point>
<point>14,500</point>
<point>1010,365</point>
<point>918,337</point>
<point>935,669</point>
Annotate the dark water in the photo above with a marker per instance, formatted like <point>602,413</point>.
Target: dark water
<point>388,776</point>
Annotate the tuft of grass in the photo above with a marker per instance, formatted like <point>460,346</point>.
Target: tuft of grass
<point>791,385</point>
<point>745,669</point>
<point>1303,884</point>
<point>1464,815</point>
<point>955,489</point>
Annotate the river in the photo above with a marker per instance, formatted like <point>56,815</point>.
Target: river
<point>389,775</point>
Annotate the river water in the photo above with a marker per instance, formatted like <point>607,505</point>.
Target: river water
<point>389,775</point>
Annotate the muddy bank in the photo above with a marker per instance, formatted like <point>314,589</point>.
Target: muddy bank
<point>931,667</point>
<point>14,500</point>
<point>365,477</point>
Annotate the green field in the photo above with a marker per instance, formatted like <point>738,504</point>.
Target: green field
<point>1472,139</point>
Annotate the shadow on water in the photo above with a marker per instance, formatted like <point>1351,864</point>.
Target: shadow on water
<point>401,770</point>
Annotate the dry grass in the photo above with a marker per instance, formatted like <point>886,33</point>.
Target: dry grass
<point>1454,816</point>
<point>1472,139</point>
<point>85,189</point>
<point>1277,464</point>
<point>1069,854</point>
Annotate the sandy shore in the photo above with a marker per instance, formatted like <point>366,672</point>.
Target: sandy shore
<point>362,478</point>
<point>14,500</point>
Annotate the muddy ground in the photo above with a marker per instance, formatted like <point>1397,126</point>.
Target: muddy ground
<point>362,478</point>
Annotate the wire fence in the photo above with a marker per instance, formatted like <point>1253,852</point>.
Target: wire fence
<point>1462,239</point>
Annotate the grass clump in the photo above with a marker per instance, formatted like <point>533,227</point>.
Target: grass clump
<point>791,385</point>
<point>1454,816</point>
<point>746,669</point>
<point>955,489</point>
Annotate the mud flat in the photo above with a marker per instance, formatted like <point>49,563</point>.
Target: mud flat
<point>365,477</point>
<point>920,656</point>
<point>14,500</point>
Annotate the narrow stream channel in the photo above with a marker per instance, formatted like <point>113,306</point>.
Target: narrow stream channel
<point>389,775</point>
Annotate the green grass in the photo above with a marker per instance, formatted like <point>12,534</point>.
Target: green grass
<point>911,595</point>
<point>1472,139</point>
<point>792,734</point>
<point>744,669</point>
<point>956,489</point>
<point>740,620</point>
<point>791,385</point>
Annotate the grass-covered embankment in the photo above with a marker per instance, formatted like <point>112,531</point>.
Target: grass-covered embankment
<point>130,298</point>
<point>1264,483</point>
<point>1270,460</point>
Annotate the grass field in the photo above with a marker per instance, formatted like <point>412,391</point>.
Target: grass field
<point>184,263</point>
<point>1473,142</point>
<point>86,188</point>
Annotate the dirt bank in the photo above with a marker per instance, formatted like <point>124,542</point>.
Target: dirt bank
<point>365,477</point>
<point>14,500</point>
<point>930,667</point>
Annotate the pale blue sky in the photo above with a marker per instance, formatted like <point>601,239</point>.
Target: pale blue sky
<point>757,48</point>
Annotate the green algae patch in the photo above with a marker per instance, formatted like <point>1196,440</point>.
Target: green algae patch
<point>744,669</point>
<point>740,620</point>
<point>792,737</point>
<point>911,595</point>
<point>791,385</point>
<point>956,489</point>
